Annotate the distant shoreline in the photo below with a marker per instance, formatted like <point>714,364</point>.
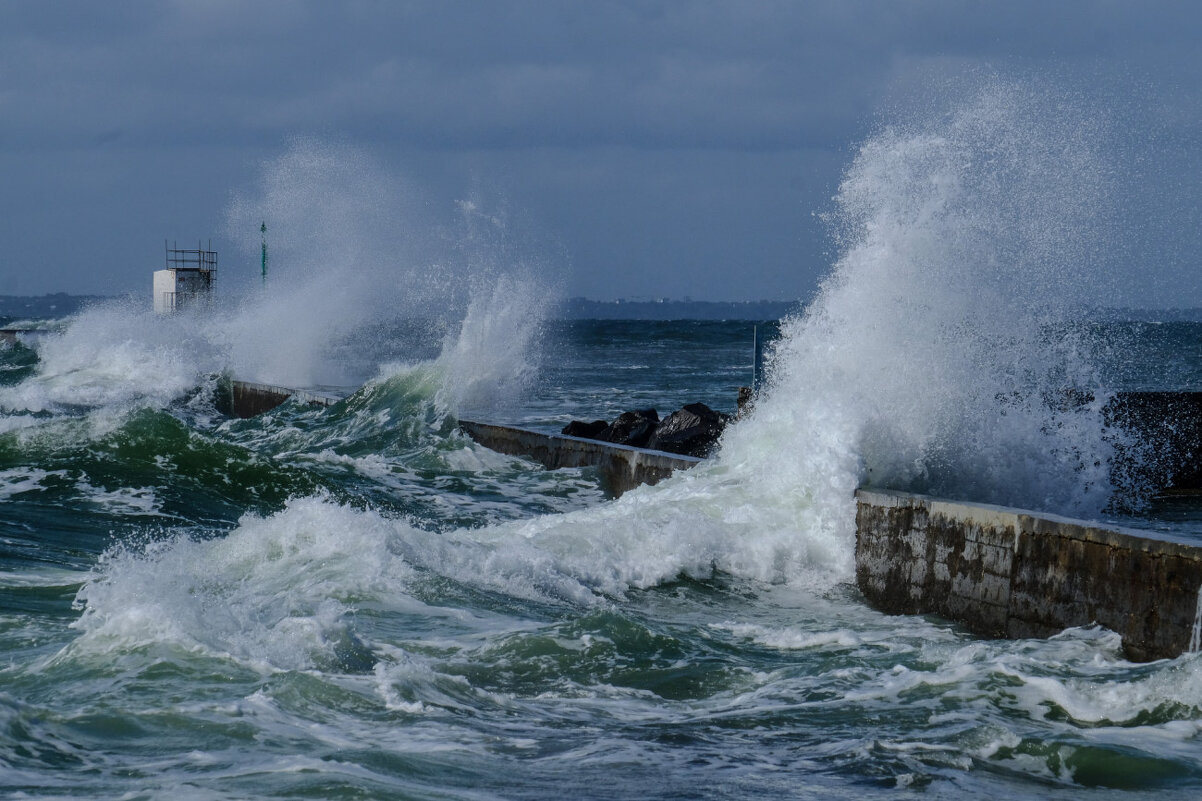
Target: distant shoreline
<point>60,304</point>
<point>585,309</point>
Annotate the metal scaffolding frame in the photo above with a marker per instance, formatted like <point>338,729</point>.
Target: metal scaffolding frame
<point>201,259</point>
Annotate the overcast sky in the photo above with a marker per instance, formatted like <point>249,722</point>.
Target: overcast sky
<point>651,148</point>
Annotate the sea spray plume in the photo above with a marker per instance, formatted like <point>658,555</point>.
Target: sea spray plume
<point>365,282</point>
<point>941,354</point>
<point>363,275</point>
<point>351,248</point>
<point>495,354</point>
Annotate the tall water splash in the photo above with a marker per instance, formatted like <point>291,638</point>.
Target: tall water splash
<point>363,274</point>
<point>350,245</point>
<point>492,356</point>
<point>945,352</point>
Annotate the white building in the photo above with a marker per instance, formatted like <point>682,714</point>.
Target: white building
<point>187,280</point>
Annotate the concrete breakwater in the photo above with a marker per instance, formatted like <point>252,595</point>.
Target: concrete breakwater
<point>1168,424</point>
<point>247,399</point>
<point>1015,573</point>
<point>619,467</point>
<point>1012,573</point>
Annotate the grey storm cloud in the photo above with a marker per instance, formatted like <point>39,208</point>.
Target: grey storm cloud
<point>654,139</point>
<point>522,74</point>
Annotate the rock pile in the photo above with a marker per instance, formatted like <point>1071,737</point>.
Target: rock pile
<point>693,430</point>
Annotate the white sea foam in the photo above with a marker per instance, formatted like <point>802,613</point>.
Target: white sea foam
<point>931,359</point>
<point>280,592</point>
<point>1195,637</point>
<point>131,501</point>
<point>42,577</point>
<point>280,589</point>
<point>119,501</point>
<point>275,592</point>
<point>17,422</point>
<point>114,356</point>
<point>794,638</point>
<point>19,480</point>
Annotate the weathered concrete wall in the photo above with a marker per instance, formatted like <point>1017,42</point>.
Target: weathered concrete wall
<point>1011,573</point>
<point>247,399</point>
<point>621,467</point>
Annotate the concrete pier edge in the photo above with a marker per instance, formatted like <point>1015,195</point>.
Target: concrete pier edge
<point>620,467</point>
<point>247,398</point>
<point>1013,573</point>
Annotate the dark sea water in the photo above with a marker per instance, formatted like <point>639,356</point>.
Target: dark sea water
<point>359,602</point>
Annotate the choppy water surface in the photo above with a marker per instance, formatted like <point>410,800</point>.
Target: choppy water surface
<point>359,602</point>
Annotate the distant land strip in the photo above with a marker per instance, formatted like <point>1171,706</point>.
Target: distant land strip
<point>664,309</point>
<point>39,307</point>
<point>60,304</point>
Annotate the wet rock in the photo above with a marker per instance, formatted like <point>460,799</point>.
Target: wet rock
<point>579,428</point>
<point>632,428</point>
<point>746,396</point>
<point>692,431</point>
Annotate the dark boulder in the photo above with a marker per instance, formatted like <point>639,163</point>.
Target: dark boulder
<point>692,431</point>
<point>579,428</point>
<point>746,398</point>
<point>632,428</point>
